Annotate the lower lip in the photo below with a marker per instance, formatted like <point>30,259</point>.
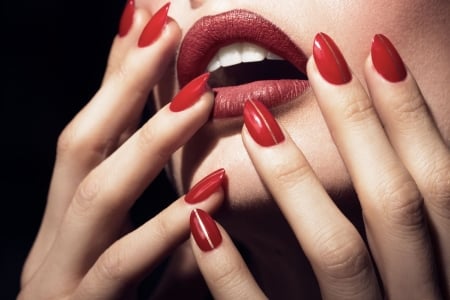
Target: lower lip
<point>229,101</point>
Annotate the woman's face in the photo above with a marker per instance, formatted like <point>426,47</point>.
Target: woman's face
<point>418,28</point>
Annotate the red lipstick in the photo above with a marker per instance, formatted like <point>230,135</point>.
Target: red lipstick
<point>209,34</point>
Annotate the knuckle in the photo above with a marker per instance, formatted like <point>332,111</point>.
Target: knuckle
<point>85,195</point>
<point>228,275</point>
<point>359,109</point>
<point>126,74</point>
<point>402,204</point>
<point>111,264</point>
<point>290,173</point>
<point>79,142</point>
<point>160,228</point>
<point>148,139</point>
<point>410,110</point>
<point>438,188</point>
<point>66,139</point>
<point>343,256</point>
<point>122,72</point>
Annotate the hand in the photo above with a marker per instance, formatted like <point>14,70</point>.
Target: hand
<point>400,169</point>
<point>86,248</point>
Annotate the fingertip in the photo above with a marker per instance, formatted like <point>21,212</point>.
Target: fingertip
<point>172,31</point>
<point>204,230</point>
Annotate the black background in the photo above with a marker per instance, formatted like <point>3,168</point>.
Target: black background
<point>54,55</point>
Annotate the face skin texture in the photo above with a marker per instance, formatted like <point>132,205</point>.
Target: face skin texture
<point>419,30</point>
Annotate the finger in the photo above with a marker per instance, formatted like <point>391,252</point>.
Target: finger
<point>332,244</point>
<point>134,256</point>
<point>98,128</point>
<point>221,264</point>
<point>415,137</point>
<point>116,108</point>
<point>132,22</point>
<point>182,271</point>
<point>391,201</point>
<point>103,199</point>
<point>127,35</point>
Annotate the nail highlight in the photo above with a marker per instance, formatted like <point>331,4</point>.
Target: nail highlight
<point>190,93</point>
<point>204,230</point>
<point>386,59</point>
<point>154,27</point>
<point>126,21</point>
<point>205,187</point>
<point>330,61</point>
<point>261,125</point>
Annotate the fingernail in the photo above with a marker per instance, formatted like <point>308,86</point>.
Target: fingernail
<point>127,18</point>
<point>190,93</point>
<point>205,187</point>
<point>386,59</point>
<point>261,125</point>
<point>330,61</point>
<point>204,230</point>
<point>154,27</point>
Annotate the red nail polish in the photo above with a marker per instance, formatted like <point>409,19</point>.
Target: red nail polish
<point>330,61</point>
<point>204,230</point>
<point>127,18</point>
<point>190,93</point>
<point>205,187</point>
<point>154,27</point>
<point>386,59</point>
<point>261,125</point>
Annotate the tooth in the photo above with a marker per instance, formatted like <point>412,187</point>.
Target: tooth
<point>240,53</point>
<point>214,64</point>
<point>252,53</point>
<point>230,55</point>
<point>273,56</point>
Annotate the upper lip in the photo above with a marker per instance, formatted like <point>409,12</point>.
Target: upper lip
<point>210,33</point>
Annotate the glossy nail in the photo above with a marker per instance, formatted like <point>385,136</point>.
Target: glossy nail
<point>386,59</point>
<point>261,125</point>
<point>204,230</point>
<point>190,93</point>
<point>127,18</point>
<point>330,61</point>
<point>205,187</point>
<point>154,27</point>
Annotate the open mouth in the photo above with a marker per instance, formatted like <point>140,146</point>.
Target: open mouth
<point>248,58</point>
<point>242,63</point>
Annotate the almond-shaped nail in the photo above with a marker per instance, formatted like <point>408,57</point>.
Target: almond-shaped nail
<point>204,230</point>
<point>154,27</point>
<point>205,187</point>
<point>261,125</point>
<point>330,61</point>
<point>126,20</point>
<point>386,59</point>
<point>190,93</point>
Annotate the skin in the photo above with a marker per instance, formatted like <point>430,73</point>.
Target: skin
<point>303,119</point>
<point>424,48</point>
<point>86,247</point>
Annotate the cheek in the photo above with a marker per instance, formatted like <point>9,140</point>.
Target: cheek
<point>353,24</point>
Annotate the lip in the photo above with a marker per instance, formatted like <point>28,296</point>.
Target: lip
<point>211,33</point>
